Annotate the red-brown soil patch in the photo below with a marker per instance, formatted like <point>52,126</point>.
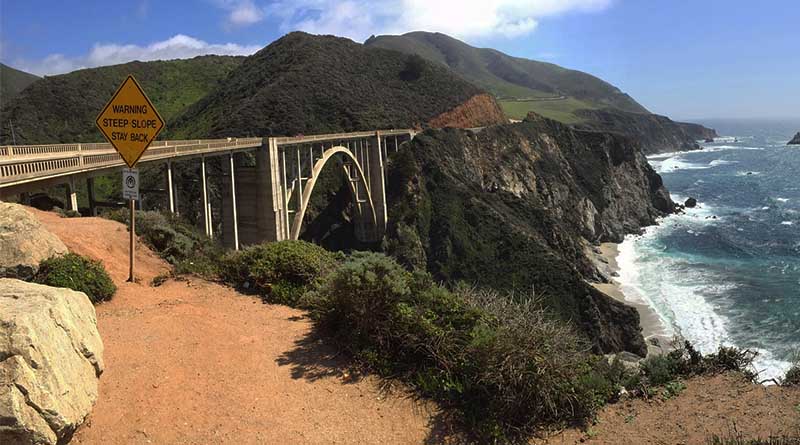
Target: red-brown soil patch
<point>722,405</point>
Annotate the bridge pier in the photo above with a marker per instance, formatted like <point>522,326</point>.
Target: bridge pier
<point>235,224</point>
<point>90,195</point>
<point>170,188</point>
<point>206,206</point>
<point>72,194</point>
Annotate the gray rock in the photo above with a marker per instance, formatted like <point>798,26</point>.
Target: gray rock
<point>795,140</point>
<point>24,242</point>
<point>690,203</point>
<point>51,356</point>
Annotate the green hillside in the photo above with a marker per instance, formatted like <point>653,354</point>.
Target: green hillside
<point>316,84</point>
<point>12,82</point>
<point>62,108</point>
<point>521,85</point>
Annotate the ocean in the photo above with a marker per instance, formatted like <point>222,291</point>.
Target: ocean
<point>728,271</point>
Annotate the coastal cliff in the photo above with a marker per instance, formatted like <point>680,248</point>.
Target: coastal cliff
<point>656,134</point>
<point>795,140</point>
<point>513,207</point>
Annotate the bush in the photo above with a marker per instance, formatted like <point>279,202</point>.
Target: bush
<point>178,242</point>
<point>792,377</point>
<point>77,273</point>
<point>685,361</point>
<point>504,365</point>
<point>281,272</point>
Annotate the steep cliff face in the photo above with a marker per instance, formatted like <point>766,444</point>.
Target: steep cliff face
<point>656,134</point>
<point>513,207</point>
<point>697,131</point>
<point>478,111</point>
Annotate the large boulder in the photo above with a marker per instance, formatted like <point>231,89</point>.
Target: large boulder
<point>24,242</point>
<point>51,356</point>
<point>796,139</point>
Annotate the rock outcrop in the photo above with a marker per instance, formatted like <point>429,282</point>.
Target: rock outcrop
<point>655,133</point>
<point>796,139</point>
<point>51,356</point>
<point>513,207</point>
<point>24,242</point>
<point>481,110</point>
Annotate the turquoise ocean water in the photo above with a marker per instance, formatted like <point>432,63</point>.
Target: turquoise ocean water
<point>728,271</point>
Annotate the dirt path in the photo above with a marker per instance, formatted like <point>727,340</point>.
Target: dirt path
<point>197,363</point>
<point>193,362</point>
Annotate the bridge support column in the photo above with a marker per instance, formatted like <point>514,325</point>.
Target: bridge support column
<point>90,195</point>
<point>72,195</point>
<point>377,183</point>
<point>371,157</point>
<point>273,213</point>
<point>262,217</point>
<point>170,188</point>
<point>206,208</point>
<point>233,204</point>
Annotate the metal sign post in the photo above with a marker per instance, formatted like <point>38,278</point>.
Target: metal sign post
<point>130,191</point>
<point>130,123</point>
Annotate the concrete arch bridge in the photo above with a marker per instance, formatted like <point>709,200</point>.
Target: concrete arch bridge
<point>264,202</point>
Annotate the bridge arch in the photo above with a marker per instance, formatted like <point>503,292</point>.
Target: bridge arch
<point>309,188</point>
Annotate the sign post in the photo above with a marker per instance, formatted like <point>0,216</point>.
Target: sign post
<point>130,123</point>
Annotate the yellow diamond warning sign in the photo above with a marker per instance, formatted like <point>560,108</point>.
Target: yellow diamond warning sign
<point>129,121</point>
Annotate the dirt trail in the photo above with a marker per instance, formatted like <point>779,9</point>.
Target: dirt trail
<point>197,363</point>
<point>193,362</point>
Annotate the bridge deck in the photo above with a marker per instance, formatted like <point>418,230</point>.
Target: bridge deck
<point>23,166</point>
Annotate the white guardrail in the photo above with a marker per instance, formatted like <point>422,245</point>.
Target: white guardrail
<point>29,163</point>
<point>24,164</point>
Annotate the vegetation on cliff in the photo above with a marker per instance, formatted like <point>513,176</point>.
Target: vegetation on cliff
<point>513,207</point>
<point>12,82</point>
<point>568,96</point>
<point>304,84</point>
<point>62,109</point>
<point>510,77</point>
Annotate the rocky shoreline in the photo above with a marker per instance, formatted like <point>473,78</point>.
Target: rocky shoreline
<point>654,330</point>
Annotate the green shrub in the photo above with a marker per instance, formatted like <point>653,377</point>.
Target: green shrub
<point>792,377</point>
<point>77,273</point>
<point>685,361</point>
<point>175,240</point>
<point>281,272</point>
<point>504,365</point>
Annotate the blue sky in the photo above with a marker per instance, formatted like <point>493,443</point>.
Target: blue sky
<point>686,59</point>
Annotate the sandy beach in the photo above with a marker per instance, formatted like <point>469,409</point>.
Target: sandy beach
<point>653,328</point>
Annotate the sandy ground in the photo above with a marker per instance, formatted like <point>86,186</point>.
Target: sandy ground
<point>722,405</point>
<point>655,333</point>
<point>193,362</point>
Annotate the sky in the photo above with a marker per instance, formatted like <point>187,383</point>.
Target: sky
<point>688,59</point>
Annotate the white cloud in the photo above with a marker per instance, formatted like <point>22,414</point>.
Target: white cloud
<point>177,47</point>
<point>241,13</point>
<point>466,19</point>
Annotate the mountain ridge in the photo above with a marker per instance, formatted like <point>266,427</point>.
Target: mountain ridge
<point>13,81</point>
<point>303,84</point>
<point>569,96</point>
<point>62,108</point>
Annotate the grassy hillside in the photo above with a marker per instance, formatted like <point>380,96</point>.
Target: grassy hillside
<point>12,82</point>
<point>60,109</point>
<point>521,85</point>
<point>316,84</point>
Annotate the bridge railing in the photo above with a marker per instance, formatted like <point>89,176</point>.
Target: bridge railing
<point>21,164</point>
<point>29,163</point>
